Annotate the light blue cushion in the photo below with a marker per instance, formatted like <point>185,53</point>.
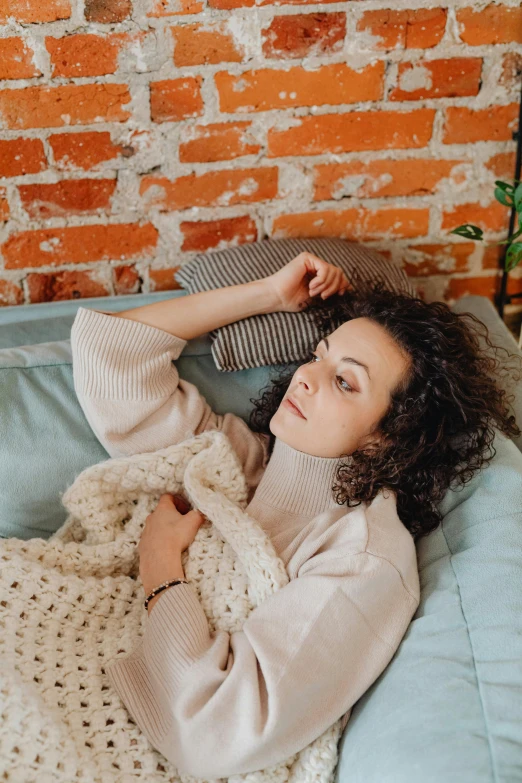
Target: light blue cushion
<point>46,439</point>
<point>50,321</point>
<point>448,708</point>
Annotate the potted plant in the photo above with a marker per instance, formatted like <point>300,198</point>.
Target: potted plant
<point>509,194</point>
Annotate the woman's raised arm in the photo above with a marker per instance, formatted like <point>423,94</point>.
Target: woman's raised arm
<point>190,316</point>
<point>127,383</point>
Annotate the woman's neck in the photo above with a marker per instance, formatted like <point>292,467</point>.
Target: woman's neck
<point>297,482</point>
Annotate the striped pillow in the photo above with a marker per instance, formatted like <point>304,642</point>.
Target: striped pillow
<point>277,338</point>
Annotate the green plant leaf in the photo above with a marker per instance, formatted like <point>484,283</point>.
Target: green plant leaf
<point>468,231</point>
<point>505,197</point>
<point>508,186</point>
<point>513,256</point>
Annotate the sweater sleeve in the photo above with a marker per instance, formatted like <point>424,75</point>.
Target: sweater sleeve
<point>128,386</point>
<point>220,704</point>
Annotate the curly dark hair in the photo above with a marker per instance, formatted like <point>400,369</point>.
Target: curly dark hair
<point>440,425</point>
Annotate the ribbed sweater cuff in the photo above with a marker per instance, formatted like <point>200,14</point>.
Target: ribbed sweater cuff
<point>133,683</point>
<point>176,634</point>
<point>117,358</point>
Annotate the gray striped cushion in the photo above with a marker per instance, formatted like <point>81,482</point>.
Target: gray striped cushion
<point>277,338</point>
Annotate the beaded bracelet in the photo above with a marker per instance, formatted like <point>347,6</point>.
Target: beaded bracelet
<point>163,587</point>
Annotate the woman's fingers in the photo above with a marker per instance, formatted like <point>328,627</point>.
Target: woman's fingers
<point>333,284</point>
<point>328,280</point>
<point>320,277</point>
<point>338,283</point>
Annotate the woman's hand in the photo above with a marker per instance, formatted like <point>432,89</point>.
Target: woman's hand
<point>167,533</point>
<point>304,277</point>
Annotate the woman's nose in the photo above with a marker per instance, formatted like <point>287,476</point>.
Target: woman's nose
<point>304,377</point>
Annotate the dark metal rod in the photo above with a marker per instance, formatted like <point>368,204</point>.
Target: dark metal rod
<point>504,298</point>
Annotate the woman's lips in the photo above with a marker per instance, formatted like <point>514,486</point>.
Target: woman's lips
<point>293,409</point>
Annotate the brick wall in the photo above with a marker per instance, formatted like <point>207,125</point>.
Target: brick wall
<point>133,136</point>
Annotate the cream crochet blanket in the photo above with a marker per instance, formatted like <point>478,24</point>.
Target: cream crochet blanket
<point>58,627</point>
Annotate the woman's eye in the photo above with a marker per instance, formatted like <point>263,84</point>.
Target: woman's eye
<point>346,388</point>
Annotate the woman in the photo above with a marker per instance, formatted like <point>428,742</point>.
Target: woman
<point>432,411</point>
<point>395,403</point>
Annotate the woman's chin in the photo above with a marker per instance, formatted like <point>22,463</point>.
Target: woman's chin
<point>276,426</point>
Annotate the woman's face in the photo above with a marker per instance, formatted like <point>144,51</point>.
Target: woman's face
<point>342,401</point>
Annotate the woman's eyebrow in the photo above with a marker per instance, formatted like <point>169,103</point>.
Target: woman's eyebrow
<point>348,359</point>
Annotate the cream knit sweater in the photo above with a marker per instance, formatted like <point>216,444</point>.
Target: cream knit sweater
<point>248,699</point>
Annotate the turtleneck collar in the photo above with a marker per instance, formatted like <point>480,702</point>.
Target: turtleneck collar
<point>297,482</point>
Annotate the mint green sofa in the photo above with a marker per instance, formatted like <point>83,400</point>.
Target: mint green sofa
<point>448,708</point>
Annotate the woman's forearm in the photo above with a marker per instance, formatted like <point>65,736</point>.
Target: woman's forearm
<point>195,314</point>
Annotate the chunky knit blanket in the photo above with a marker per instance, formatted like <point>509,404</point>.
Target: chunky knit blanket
<point>61,616</point>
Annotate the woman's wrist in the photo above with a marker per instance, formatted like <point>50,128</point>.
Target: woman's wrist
<point>164,568</point>
<point>155,598</point>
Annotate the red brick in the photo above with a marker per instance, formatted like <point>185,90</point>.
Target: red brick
<point>229,5</point>
<point>386,253</point>
<point>126,280</point>
<point>159,8</point>
<point>346,132</point>
<point>68,284</point>
<point>494,217</point>
<point>204,44</point>
<point>491,25</point>
<point>34,10</point>
<point>303,35</point>
<point>408,29</point>
<point>266,88</point>
<point>449,78</point>
<point>107,11</point>
<point>511,69</point>
<point>212,189</point>
<point>293,2</point>
<point>4,206</point>
<point>438,259</point>
<point>69,104</point>
<point>405,177</point>
<point>173,100</point>
<point>502,165</point>
<point>514,286</point>
<point>217,141</point>
<point>163,279</point>
<point>79,245</point>
<point>10,294</point>
<point>85,55</point>
<point>491,256</point>
<point>465,125</point>
<point>493,259</point>
<point>360,224</point>
<point>21,156</point>
<point>201,236</point>
<point>477,286</point>
<point>68,197</point>
<point>16,59</point>
<point>85,150</point>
